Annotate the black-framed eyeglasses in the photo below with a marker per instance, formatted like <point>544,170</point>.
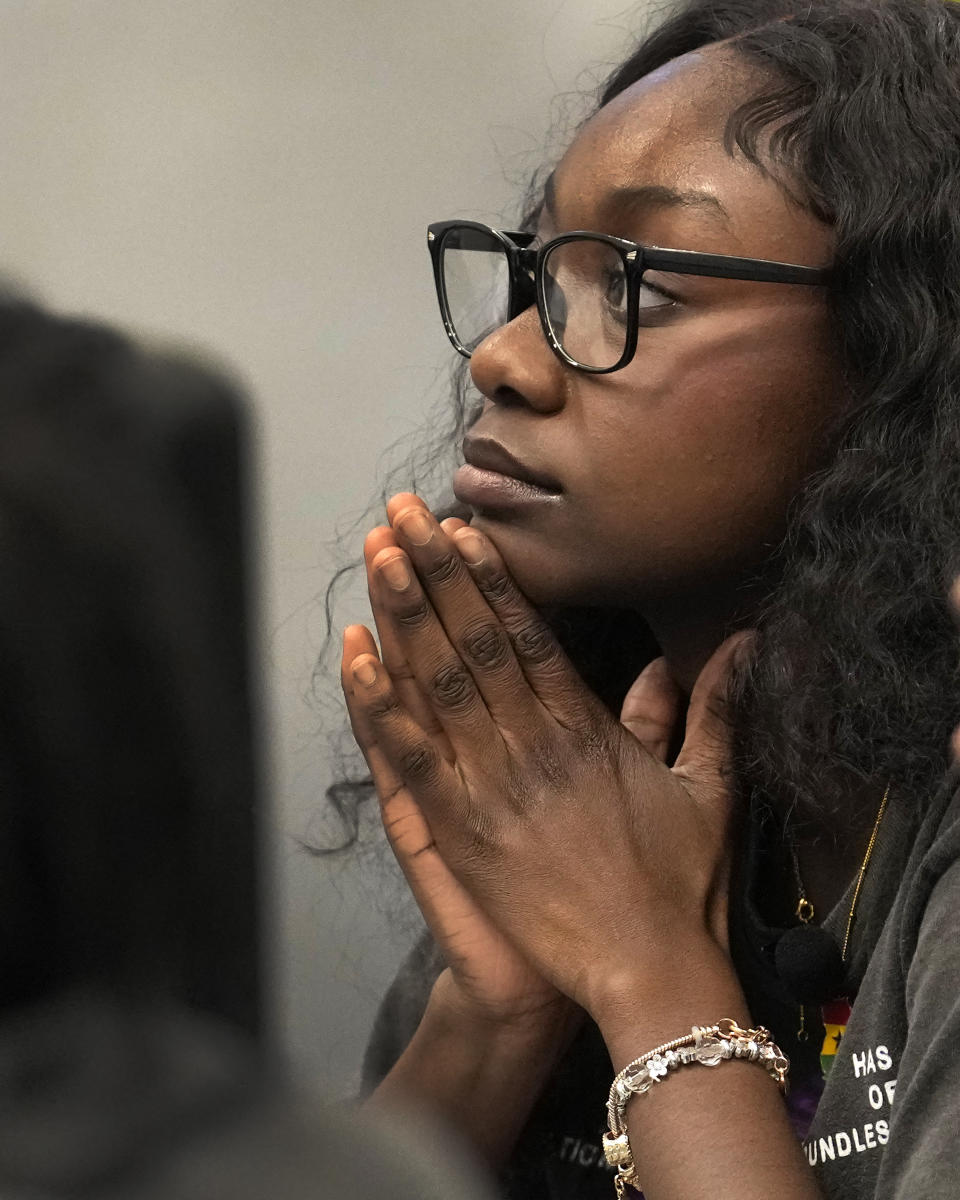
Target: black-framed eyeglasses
<point>589,288</point>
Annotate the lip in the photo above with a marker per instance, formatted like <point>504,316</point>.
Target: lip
<point>484,490</point>
<point>489,457</point>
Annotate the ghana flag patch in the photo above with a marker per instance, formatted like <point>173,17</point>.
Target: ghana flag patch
<point>835,1016</point>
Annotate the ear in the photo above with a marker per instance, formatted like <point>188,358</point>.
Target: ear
<point>652,708</point>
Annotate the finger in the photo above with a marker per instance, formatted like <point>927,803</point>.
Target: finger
<point>405,824</point>
<point>357,641</point>
<point>446,905</point>
<point>411,756</point>
<point>392,652</point>
<point>953,598</point>
<point>401,501</point>
<point>545,666</point>
<point>651,709</point>
<point>404,500</point>
<point>444,678</point>
<point>438,894</point>
<point>707,748</point>
<point>471,626</point>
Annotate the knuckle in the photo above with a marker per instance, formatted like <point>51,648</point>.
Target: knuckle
<point>482,837</point>
<point>552,766</point>
<point>593,745</point>
<point>535,643</point>
<point>382,707</point>
<point>452,688</point>
<point>443,569</point>
<point>520,785</point>
<point>496,586</point>
<point>415,616</point>
<point>418,762</point>
<point>513,839</point>
<point>486,646</point>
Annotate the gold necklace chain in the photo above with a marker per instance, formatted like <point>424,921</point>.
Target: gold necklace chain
<point>805,911</point>
<point>862,872</point>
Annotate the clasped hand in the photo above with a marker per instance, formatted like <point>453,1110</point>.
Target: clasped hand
<point>546,842</point>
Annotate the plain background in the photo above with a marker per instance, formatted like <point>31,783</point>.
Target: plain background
<point>254,178</point>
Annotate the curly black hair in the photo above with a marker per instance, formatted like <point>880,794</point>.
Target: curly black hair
<point>856,107</point>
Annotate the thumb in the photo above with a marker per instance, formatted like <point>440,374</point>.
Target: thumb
<point>707,747</point>
<point>652,708</point>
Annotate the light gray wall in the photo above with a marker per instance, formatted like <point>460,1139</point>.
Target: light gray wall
<point>254,177</point>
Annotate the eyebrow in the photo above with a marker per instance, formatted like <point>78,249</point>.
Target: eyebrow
<point>639,201</point>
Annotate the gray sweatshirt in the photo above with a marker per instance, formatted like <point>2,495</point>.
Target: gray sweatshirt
<point>887,1126</point>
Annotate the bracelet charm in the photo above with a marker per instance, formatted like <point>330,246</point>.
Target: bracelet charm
<point>705,1045</point>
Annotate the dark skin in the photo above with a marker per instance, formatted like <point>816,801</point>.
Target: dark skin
<point>562,864</point>
<point>676,470</point>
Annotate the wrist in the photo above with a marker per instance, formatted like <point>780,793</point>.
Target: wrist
<point>641,1004</point>
<point>453,1013</point>
<point>479,1073</point>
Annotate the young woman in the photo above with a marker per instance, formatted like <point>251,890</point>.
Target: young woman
<point>724,418</point>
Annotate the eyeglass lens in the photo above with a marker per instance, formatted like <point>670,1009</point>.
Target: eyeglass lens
<point>585,290</point>
<point>476,282</point>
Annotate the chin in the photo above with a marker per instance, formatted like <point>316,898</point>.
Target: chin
<point>546,573</point>
<point>531,561</point>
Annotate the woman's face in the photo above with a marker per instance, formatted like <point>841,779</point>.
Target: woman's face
<point>674,473</point>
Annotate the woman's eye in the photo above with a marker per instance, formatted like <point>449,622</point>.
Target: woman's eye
<point>615,297</point>
<point>649,298</point>
<point>653,297</point>
<point>615,290</point>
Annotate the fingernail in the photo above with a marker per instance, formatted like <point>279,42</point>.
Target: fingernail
<point>417,527</point>
<point>365,672</point>
<point>395,572</point>
<point>471,547</point>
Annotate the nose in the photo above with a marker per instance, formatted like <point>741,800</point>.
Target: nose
<point>515,365</point>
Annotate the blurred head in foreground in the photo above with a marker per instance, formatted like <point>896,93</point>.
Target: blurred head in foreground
<point>127,795</point>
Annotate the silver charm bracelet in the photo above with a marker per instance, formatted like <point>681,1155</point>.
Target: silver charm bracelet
<point>708,1045</point>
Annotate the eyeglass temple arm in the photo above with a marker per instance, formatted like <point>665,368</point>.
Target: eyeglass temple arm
<point>727,266</point>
